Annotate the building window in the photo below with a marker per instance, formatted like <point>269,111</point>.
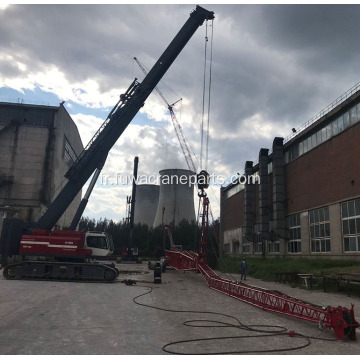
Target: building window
<point>320,230</point>
<point>334,127</point>
<point>273,246</point>
<point>341,123</point>
<point>353,116</point>
<point>313,140</point>
<point>301,148</point>
<point>293,153</point>
<point>245,242</point>
<point>235,247</point>
<point>350,213</point>
<point>346,120</point>
<point>258,244</point>
<point>233,190</point>
<point>69,153</point>
<point>358,112</point>
<point>293,228</point>
<point>319,137</point>
<point>227,248</point>
<point>246,248</point>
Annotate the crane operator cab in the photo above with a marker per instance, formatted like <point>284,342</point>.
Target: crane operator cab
<point>99,243</point>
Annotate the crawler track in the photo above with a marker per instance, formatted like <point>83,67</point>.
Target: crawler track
<point>44,270</point>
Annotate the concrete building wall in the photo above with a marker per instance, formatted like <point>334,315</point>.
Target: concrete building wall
<point>312,178</point>
<point>32,162</point>
<point>22,152</point>
<point>176,197</point>
<point>65,132</point>
<point>146,204</point>
<point>233,241</point>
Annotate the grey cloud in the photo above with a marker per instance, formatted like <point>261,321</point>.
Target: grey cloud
<point>9,68</point>
<point>282,62</point>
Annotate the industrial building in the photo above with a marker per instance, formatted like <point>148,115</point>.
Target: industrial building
<point>176,198</point>
<point>304,196</point>
<point>38,144</point>
<point>147,198</point>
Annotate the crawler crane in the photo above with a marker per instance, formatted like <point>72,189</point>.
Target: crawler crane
<point>39,239</point>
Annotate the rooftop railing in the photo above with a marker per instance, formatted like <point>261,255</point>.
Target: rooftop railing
<point>22,101</point>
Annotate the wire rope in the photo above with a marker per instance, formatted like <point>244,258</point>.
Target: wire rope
<point>209,97</point>
<point>203,97</point>
<point>262,330</point>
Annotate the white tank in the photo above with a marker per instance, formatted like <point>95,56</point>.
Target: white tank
<point>176,199</point>
<point>146,203</point>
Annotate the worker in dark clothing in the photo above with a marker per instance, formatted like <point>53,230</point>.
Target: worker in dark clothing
<point>243,269</point>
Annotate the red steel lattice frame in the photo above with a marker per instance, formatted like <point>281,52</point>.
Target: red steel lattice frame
<point>340,318</point>
<point>204,235</point>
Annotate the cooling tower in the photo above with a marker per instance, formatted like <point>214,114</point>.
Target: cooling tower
<point>146,203</point>
<point>176,196</point>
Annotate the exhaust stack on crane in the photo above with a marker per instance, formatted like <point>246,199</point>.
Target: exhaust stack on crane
<point>130,253</point>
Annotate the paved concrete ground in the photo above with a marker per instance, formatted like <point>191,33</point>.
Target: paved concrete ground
<point>42,317</point>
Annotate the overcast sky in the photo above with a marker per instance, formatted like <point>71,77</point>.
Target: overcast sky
<point>273,68</point>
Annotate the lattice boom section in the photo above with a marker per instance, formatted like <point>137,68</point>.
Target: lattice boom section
<point>182,260</point>
<point>340,319</point>
<point>264,299</point>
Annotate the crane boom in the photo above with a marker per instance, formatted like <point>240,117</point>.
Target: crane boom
<point>117,121</point>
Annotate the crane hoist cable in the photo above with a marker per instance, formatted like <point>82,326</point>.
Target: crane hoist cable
<point>209,98</point>
<point>203,99</point>
<point>209,103</point>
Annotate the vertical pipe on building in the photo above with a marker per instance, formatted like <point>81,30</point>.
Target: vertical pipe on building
<point>279,193</point>
<point>264,197</point>
<point>47,169</point>
<point>221,240</point>
<point>249,203</point>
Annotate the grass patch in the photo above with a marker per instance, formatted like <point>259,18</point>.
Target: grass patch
<point>265,268</point>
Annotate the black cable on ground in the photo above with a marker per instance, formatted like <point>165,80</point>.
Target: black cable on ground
<point>264,330</point>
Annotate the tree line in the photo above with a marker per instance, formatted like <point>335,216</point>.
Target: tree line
<point>149,240</point>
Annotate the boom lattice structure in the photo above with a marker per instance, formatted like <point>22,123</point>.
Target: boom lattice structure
<point>340,319</point>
